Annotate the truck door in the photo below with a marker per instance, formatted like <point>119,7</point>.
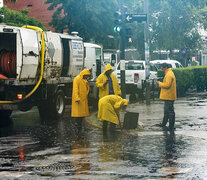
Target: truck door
<point>66,57</point>
<point>98,61</point>
<point>30,53</point>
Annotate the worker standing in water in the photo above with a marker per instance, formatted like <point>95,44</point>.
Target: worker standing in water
<point>79,108</point>
<point>108,111</point>
<point>168,94</point>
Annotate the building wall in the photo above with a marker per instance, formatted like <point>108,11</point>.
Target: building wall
<point>37,9</point>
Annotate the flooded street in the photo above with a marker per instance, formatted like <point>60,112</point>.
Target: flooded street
<point>35,149</point>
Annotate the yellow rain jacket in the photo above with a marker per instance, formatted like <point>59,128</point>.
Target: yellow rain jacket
<point>102,78</point>
<point>109,107</point>
<point>168,86</point>
<point>80,92</point>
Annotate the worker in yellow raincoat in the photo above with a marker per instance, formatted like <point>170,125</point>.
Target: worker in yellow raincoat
<point>108,110</point>
<point>168,94</point>
<point>108,83</point>
<point>79,108</point>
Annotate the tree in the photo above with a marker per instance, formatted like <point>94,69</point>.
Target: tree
<point>15,18</point>
<point>92,19</point>
<point>173,24</point>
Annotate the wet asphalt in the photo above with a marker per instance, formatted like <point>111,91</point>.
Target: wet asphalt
<point>31,148</point>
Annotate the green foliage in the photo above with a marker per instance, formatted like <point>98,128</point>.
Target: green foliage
<point>194,63</point>
<point>200,80</point>
<point>173,24</point>
<point>92,19</point>
<point>189,77</point>
<point>15,18</point>
<point>24,11</point>
<point>184,79</point>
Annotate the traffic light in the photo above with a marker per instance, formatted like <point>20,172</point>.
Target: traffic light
<point>117,29</point>
<point>129,34</point>
<point>118,18</point>
<point>118,21</point>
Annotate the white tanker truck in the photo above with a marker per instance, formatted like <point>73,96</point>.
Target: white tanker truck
<point>37,69</point>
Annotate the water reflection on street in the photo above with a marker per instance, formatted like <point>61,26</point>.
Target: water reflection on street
<point>34,149</point>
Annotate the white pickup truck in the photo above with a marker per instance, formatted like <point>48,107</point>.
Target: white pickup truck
<point>171,63</point>
<point>135,75</point>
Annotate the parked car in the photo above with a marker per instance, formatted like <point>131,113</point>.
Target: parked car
<point>135,75</point>
<point>171,63</point>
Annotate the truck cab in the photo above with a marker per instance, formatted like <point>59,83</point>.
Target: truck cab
<point>111,57</point>
<point>93,60</point>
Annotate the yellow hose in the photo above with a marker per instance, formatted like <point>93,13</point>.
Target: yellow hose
<point>42,67</point>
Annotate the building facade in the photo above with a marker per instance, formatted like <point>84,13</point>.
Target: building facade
<point>37,9</point>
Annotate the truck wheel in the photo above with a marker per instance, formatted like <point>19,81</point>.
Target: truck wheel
<point>58,105</point>
<point>53,108</point>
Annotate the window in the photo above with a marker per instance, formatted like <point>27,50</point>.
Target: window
<point>98,61</point>
<point>98,54</point>
<point>133,66</point>
<point>158,65</point>
<point>169,65</point>
<point>106,60</point>
<point>153,67</point>
<point>176,65</point>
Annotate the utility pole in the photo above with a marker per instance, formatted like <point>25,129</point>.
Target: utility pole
<point>122,19</point>
<point>122,49</point>
<point>147,52</point>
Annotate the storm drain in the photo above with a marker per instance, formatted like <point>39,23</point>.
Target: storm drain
<point>56,167</point>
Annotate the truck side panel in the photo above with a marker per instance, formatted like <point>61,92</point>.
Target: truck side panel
<point>90,61</point>
<point>19,60</point>
<point>53,56</point>
<point>77,55</point>
<point>30,54</point>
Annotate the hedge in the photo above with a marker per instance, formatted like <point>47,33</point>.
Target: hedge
<point>189,77</point>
